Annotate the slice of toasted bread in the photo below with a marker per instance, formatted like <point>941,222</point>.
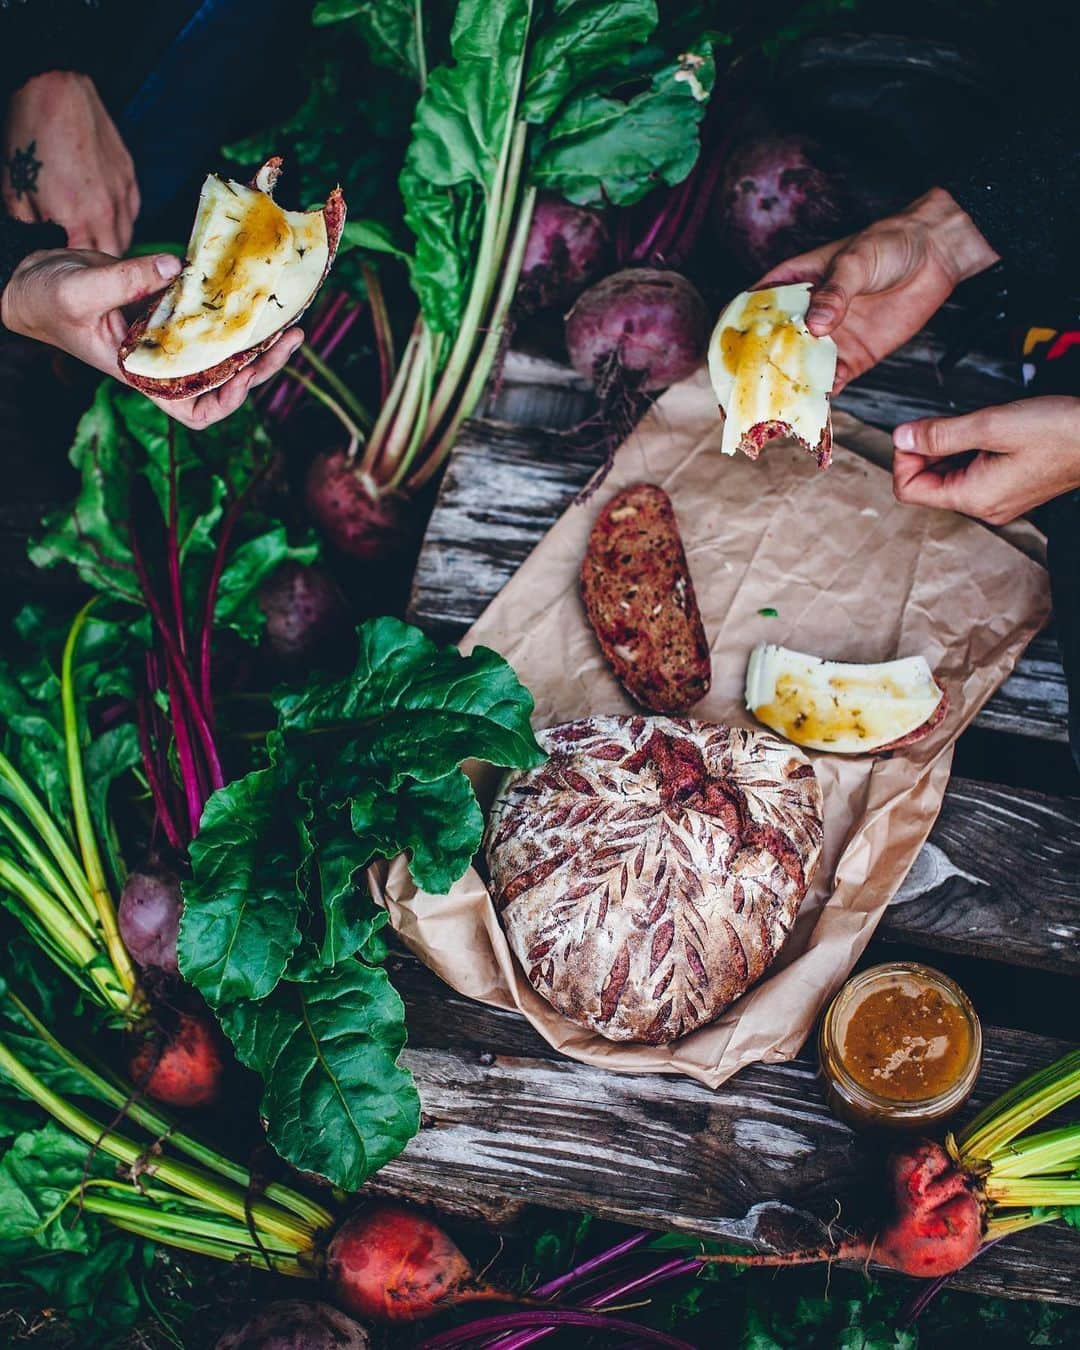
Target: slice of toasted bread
<point>640,601</point>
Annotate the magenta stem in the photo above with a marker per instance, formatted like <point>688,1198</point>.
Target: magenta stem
<point>162,810</point>
<point>193,789</point>
<point>228,524</point>
<point>579,1273</point>
<point>565,1317</point>
<point>173,545</point>
<point>297,390</point>
<point>175,661</point>
<point>670,1270</point>
<point>282,389</point>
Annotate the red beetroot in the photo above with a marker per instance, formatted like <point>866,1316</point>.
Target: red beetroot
<point>182,1067</point>
<point>303,607</point>
<point>355,522</point>
<point>391,1264</point>
<point>291,1324</point>
<point>775,200</point>
<point>936,1228</point>
<point>149,918</point>
<point>566,246</point>
<point>644,328</point>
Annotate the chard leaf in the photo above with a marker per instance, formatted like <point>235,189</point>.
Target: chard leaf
<point>389,27</point>
<point>601,148</point>
<point>428,708</point>
<point>92,535</point>
<point>250,565</point>
<point>584,38</point>
<point>439,824</point>
<point>70,1259</point>
<point>38,1173</point>
<point>370,235</point>
<point>337,1102</point>
<point>240,921</point>
<point>460,135</point>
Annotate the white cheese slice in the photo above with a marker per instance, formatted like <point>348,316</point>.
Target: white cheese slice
<point>766,365</point>
<point>251,267</point>
<point>832,705</point>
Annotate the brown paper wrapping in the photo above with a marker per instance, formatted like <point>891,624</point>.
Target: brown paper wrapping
<point>853,576</point>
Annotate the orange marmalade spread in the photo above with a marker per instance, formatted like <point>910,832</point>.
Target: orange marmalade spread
<point>901,1046</point>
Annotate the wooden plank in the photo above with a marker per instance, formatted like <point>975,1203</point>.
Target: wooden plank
<point>999,879</point>
<point>508,1121</point>
<point>506,486</point>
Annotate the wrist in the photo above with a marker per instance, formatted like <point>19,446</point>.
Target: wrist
<point>957,241</point>
<point>12,316</point>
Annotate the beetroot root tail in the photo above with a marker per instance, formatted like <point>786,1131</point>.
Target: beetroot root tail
<point>845,1251</point>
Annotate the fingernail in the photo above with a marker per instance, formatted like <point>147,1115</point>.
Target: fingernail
<point>168,266</point>
<point>818,314</point>
<point>904,437</point>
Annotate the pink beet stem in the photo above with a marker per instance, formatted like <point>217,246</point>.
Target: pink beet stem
<point>579,1273</point>
<point>162,810</point>
<point>487,1326</point>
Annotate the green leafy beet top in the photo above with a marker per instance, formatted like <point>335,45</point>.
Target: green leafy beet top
<point>280,934</point>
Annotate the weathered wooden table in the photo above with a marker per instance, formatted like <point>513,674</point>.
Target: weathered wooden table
<point>508,1122</point>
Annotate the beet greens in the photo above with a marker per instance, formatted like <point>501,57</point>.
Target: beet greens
<point>526,96</point>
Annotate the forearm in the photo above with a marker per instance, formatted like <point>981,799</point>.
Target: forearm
<point>1022,189</point>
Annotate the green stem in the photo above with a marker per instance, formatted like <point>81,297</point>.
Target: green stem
<point>113,1092</point>
<point>24,797</point>
<point>221,1251</point>
<point>52,877</point>
<point>84,826</point>
<point>187,1180</point>
<point>1054,1150</point>
<point>421,54</point>
<point>1008,1224</point>
<point>416,396</point>
<point>79,948</point>
<point>486,271</point>
<point>1022,1106</point>
<point>166,1223</point>
<point>482,367</point>
<point>355,434</point>
<point>337,384</point>
<point>427,367</point>
<point>399,390</point>
<point>1040,1191</point>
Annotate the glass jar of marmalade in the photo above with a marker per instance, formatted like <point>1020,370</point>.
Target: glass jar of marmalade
<point>900,1047</point>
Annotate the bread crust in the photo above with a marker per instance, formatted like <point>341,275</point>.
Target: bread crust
<point>650,872</point>
<point>761,433</point>
<point>202,381</point>
<point>639,598</point>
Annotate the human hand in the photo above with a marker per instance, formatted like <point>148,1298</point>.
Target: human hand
<point>66,162</point>
<point>995,464</point>
<point>74,299</point>
<point>876,289</point>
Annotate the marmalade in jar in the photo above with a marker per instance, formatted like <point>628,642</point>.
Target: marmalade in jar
<point>900,1047</point>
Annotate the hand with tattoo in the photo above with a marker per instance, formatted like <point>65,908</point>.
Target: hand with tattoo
<point>64,160</point>
<point>75,299</point>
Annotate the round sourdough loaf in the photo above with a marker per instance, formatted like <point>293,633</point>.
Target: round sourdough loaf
<point>650,871</point>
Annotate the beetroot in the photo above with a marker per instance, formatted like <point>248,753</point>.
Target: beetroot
<point>775,200</point>
<point>391,1264</point>
<point>936,1228</point>
<point>149,918</point>
<point>354,521</point>
<point>292,1324</point>
<point>303,608</point>
<point>639,327</point>
<point>181,1066</point>
<point>565,248</point>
